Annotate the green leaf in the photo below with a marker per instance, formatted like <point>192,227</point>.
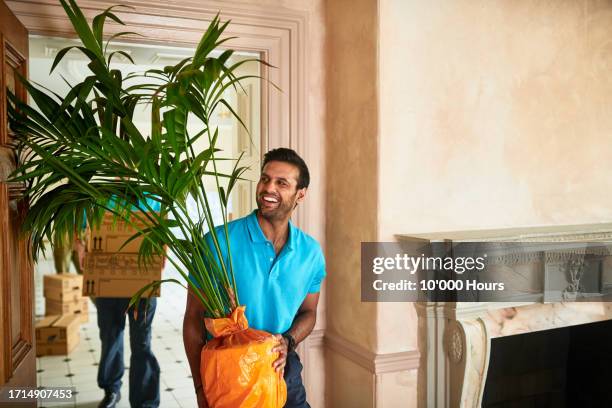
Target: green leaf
<point>81,27</point>
<point>120,34</point>
<point>98,22</point>
<point>81,153</point>
<point>123,53</point>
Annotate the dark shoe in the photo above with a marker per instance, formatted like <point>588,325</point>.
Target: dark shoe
<point>110,399</point>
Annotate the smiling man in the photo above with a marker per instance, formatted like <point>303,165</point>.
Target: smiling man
<point>278,270</point>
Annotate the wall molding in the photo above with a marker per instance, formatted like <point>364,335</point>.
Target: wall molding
<point>316,338</point>
<point>373,362</point>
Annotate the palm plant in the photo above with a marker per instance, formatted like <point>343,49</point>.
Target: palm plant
<point>82,155</point>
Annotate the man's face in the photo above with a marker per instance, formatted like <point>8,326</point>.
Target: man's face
<point>277,193</point>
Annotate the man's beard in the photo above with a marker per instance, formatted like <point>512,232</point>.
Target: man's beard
<point>282,211</point>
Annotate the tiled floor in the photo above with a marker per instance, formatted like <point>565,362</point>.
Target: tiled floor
<point>79,369</point>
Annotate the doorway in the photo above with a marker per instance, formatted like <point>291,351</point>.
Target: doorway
<point>79,368</point>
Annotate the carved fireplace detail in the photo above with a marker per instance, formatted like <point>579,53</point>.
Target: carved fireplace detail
<point>455,337</point>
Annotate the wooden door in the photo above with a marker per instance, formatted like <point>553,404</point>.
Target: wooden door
<point>17,352</point>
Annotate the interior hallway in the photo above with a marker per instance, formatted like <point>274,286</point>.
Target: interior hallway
<point>79,368</point>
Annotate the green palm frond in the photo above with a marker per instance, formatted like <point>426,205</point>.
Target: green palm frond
<point>82,155</point>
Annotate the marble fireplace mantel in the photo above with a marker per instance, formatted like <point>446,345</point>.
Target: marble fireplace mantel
<point>455,337</point>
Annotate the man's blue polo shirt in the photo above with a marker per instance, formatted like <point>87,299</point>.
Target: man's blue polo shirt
<point>272,287</point>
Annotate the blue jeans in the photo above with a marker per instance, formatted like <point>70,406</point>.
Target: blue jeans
<point>144,369</point>
<point>296,393</point>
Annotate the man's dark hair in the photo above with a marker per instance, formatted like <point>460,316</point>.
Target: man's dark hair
<point>282,154</point>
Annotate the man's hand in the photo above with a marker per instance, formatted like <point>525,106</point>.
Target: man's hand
<point>193,339</point>
<point>301,327</point>
<point>79,247</point>
<point>279,364</point>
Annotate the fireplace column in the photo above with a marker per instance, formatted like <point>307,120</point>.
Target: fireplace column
<point>455,365</point>
<point>468,347</point>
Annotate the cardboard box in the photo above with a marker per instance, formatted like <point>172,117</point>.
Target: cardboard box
<point>112,234</point>
<point>57,335</point>
<point>80,308</point>
<point>118,274</point>
<point>64,287</point>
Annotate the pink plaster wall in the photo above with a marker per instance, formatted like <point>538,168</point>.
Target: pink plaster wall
<point>495,114</point>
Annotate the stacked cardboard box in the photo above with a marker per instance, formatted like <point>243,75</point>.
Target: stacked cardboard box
<point>57,335</point>
<point>65,310</point>
<point>111,269</point>
<point>63,295</point>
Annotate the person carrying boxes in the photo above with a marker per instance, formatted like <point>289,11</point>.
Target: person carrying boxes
<point>106,277</point>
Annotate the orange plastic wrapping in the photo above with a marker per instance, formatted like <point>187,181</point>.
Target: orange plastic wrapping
<point>236,365</point>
